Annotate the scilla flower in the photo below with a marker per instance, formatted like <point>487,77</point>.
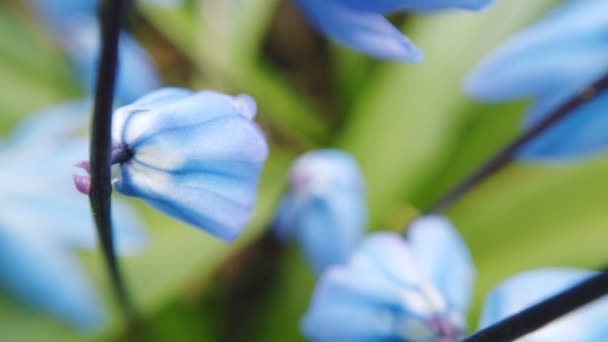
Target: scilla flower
<point>325,208</point>
<point>361,24</point>
<point>414,289</point>
<point>587,324</point>
<point>42,218</point>
<point>550,62</point>
<point>196,156</point>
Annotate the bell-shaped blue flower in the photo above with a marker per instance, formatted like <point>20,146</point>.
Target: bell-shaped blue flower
<point>325,208</point>
<point>36,234</point>
<point>361,25</point>
<point>196,156</point>
<point>75,26</point>
<point>587,324</point>
<point>414,289</point>
<point>550,62</point>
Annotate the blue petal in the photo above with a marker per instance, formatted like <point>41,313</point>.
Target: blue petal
<point>567,48</point>
<point>325,209</point>
<point>587,324</point>
<point>53,124</point>
<point>197,158</point>
<point>389,6</point>
<point>442,254</point>
<point>379,295</point>
<point>583,134</point>
<point>56,12</point>
<point>367,32</point>
<point>137,74</point>
<point>43,152</point>
<point>170,109</point>
<point>42,274</point>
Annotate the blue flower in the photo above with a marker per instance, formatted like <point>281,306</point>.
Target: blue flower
<point>196,156</point>
<point>325,208</point>
<point>550,62</point>
<point>75,27</point>
<point>360,24</point>
<point>394,289</point>
<point>587,324</point>
<point>37,234</point>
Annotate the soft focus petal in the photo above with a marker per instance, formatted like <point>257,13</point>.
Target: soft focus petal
<point>442,254</point>
<point>587,324</point>
<point>54,124</point>
<point>196,156</point>
<point>380,294</point>
<point>367,32</point>
<point>56,12</point>
<point>567,49</point>
<point>388,6</point>
<point>551,61</point>
<point>137,74</point>
<point>325,208</point>
<point>75,26</point>
<point>44,275</point>
<point>36,185</point>
<point>583,134</point>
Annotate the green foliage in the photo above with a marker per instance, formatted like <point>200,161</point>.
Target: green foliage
<point>410,126</point>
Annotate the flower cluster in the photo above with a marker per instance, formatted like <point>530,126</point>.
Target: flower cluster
<point>419,289</point>
<point>198,156</point>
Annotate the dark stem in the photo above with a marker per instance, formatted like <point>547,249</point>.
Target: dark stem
<point>509,153</point>
<point>537,316</point>
<point>112,17</point>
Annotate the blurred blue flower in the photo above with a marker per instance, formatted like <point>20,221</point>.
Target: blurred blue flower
<point>325,208</point>
<point>550,62</point>
<point>395,289</point>
<point>361,25</point>
<point>587,324</point>
<point>196,156</point>
<point>74,25</point>
<point>43,217</point>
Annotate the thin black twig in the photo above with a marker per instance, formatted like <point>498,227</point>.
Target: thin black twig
<point>510,152</point>
<point>539,315</point>
<point>113,13</point>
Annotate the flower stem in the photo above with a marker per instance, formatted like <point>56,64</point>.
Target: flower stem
<point>112,14</point>
<point>509,153</point>
<point>537,316</point>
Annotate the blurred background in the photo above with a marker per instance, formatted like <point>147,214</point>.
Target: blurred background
<point>411,127</point>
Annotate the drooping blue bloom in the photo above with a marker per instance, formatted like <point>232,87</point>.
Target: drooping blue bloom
<point>587,324</point>
<point>75,26</point>
<point>396,289</point>
<point>196,156</point>
<point>42,217</point>
<point>361,25</point>
<point>550,62</point>
<point>325,208</point>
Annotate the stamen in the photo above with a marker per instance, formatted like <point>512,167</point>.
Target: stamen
<point>120,154</point>
<point>446,330</point>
